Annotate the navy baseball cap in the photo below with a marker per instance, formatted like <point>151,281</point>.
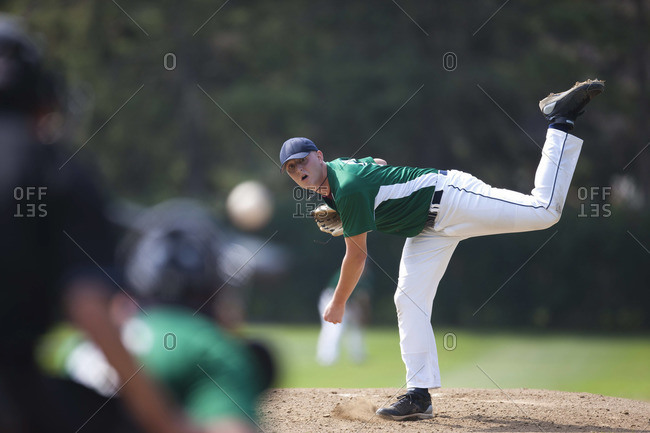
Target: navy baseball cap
<point>295,148</point>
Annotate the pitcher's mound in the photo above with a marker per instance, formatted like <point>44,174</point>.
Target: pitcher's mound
<point>299,410</point>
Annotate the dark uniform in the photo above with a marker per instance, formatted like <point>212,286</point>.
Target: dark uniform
<point>39,204</point>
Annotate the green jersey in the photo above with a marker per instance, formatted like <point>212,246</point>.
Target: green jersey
<point>389,199</point>
<point>209,373</point>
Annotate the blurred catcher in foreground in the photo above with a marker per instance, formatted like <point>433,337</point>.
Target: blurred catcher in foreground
<point>171,263</point>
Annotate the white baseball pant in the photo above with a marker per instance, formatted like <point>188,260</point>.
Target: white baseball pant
<point>469,207</point>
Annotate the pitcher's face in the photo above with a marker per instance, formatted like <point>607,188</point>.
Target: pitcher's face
<point>308,172</point>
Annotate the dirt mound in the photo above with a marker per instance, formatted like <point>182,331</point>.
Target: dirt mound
<point>302,410</point>
<point>357,409</point>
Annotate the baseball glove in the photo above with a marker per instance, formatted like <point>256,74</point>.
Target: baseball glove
<point>328,220</point>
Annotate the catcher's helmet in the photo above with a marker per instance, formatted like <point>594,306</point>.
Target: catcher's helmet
<point>172,255</point>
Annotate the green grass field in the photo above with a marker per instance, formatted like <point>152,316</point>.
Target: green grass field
<point>610,365</point>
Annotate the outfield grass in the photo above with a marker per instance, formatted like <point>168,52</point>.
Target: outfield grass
<point>610,365</point>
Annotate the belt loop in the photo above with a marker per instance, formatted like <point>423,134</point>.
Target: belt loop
<point>435,202</point>
<point>437,196</point>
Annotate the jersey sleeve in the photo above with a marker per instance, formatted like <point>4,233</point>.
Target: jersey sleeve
<point>357,213</point>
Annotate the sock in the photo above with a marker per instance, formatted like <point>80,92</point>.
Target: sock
<point>420,391</point>
<point>566,127</point>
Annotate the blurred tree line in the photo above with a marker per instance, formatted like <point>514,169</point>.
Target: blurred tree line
<point>172,98</point>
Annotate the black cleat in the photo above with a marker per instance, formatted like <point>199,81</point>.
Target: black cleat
<point>565,107</point>
<point>410,406</point>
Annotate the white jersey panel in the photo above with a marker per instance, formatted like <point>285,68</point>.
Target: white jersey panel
<point>401,190</point>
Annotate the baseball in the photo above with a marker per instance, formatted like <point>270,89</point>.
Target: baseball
<point>249,205</point>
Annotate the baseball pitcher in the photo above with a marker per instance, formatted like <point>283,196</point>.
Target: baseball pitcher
<point>434,210</point>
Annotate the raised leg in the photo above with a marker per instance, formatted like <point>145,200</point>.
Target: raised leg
<point>470,207</point>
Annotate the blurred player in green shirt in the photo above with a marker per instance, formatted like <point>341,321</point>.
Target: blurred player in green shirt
<point>358,309</point>
<point>171,266</point>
